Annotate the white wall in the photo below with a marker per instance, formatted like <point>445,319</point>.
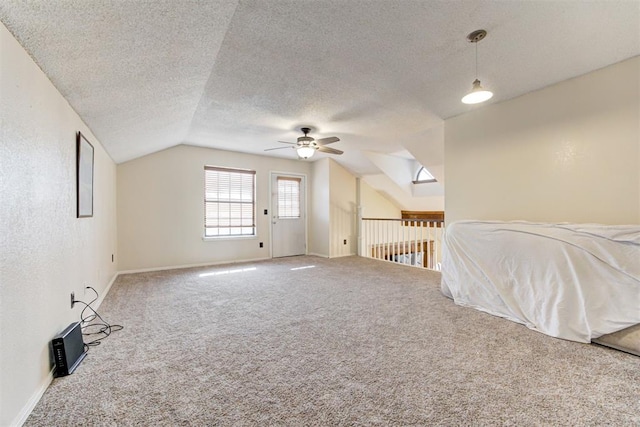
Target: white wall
<point>46,252</point>
<point>161,208</point>
<point>398,169</point>
<point>319,206</point>
<point>343,211</point>
<point>384,185</point>
<point>569,152</point>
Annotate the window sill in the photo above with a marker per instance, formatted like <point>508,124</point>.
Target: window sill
<point>219,238</point>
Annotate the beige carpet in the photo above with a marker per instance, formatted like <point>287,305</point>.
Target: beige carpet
<point>350,341</point>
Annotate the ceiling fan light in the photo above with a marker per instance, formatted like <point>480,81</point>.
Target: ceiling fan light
<point>477,95</point>
<point>305,151</point>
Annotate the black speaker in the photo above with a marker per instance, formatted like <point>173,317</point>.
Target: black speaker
<point>68,350</point>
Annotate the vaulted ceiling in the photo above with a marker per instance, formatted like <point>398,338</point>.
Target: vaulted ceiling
<point>243,74</point>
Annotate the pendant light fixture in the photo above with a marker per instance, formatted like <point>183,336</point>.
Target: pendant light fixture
<point>478,94</point>
<point>305,151</point>
<point>305,144</point>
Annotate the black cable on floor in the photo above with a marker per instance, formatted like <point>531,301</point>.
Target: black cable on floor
<point>93,324</point>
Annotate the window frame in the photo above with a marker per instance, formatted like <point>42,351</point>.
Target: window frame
<point>238,203</point>
<point>423,181</point>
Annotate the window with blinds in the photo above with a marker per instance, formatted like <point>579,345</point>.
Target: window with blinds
<point>229,202</point>
<point>288,197</point>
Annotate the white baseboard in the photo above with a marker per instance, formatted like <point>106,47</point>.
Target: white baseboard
<point>35,397</point>
<point>178,267</point>
<point>319,255</point>
<point>106,290</point>
<point>327,256</point>
<point>32,402</point>
<point>342,256</point>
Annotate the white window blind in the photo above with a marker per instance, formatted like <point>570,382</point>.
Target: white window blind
<point>229,202</point>
<point>288,197</point>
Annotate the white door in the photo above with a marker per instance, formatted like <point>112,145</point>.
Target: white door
<point>288,215</point>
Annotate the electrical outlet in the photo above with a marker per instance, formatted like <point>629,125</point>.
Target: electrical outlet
<point>73,299</point>
<point>261,245</point>
<point>111,257</point>
<point>345,241</point>
<point>266,212</point>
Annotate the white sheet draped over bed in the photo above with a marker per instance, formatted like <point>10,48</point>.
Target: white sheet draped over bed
<point>571,281</point>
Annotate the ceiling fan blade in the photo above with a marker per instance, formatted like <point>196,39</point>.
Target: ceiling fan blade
<point>285,142</point>
<point>329,150</point>
<point>276,148</point>
<point>329,140</point>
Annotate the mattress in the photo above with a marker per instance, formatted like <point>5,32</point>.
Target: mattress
<point>572,281</point>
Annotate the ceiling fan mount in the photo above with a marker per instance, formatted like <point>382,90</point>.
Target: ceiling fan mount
<point>306,145</point>
<point>306,139</point>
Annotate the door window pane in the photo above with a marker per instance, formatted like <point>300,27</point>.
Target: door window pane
<point>288,197</point>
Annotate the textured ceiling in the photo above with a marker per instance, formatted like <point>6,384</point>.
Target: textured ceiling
<point>241,75</point>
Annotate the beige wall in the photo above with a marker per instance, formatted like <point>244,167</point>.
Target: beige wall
<point>46,252</point>
<point>342,200</point>
<point>375,205</point>
<point>333,202</point>
<point>319,206</point>
<point>161,208</point>
<point>569,152</point>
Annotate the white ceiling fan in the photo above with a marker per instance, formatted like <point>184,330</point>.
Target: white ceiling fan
<point>307,146</point>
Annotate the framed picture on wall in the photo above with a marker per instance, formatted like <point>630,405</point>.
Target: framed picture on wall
<point>84,177</point>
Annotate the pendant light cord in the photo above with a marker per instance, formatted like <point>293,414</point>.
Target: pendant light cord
<point>476,43</point>
<point>477,94</point>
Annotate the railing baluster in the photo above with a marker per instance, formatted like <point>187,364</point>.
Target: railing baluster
<point>435,244</point>
<point>367,246</point>
<point>402,240</point>
<point>370,238</point>
<point>429,226</point>
<point>410,242</point>
<point>396,238</point>
<point>428,249</point>
<point>374,251</point>
<point>386,247</point>
<point>375,238</point>
<point>372,248</point>
<point>377,227</point>
<point>422,248</point>
<point>413,242</point>
<point>407,259</point>
<point>381,247</point>
<point>416,248</point>
<point>418,244</point>
<point>425,245</point>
